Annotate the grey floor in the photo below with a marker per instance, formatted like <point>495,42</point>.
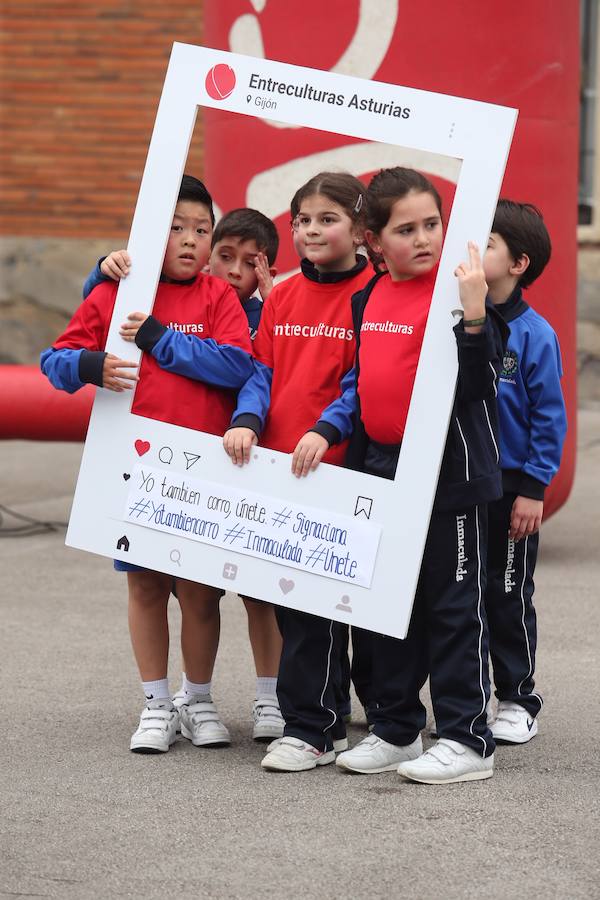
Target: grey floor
<point>83,817</point>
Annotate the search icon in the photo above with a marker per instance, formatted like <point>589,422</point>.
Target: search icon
<point>176,557</point>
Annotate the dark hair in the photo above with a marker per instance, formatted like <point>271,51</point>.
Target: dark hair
<point>192,189</point>
<point>390,185</point>
<point>341,187</point>
<point>521,226</point>
<point>249,225</point>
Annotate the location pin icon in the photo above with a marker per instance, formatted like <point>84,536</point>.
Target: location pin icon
<point>248,98</point>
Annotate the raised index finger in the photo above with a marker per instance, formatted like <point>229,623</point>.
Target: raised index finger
<point>474,255</point>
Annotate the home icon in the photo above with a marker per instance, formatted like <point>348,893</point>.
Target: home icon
<point>123,544</point>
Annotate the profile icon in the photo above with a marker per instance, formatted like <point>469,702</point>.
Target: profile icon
<point>344,604</point>
<point>220,82</point>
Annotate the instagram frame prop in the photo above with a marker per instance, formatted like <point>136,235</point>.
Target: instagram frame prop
<point>339,544</point>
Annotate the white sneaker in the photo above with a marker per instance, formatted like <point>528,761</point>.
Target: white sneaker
<point>447,762</point>
<point>268,721</point>
<point>513,724</point>
<point>293,755</point>
<point>200,723</point>
<point>339,745</point>
<point>157,729</point>
<point>178,700</point>
<point>374,755</point>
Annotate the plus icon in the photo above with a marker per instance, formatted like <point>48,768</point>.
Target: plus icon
<point>230,571</point>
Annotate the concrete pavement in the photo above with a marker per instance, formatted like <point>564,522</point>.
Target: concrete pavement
<point>83,817</point>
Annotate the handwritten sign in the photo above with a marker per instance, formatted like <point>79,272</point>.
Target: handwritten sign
<point>313,540</point>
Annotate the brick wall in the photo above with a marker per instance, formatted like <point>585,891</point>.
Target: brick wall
<point>81,84</point>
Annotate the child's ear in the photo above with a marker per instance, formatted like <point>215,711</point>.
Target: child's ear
<point>358,235</point>
<point>273,271</point>
<point>520,265</point>
<point>373,241</point>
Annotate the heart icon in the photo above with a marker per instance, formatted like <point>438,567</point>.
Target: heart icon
<point>220,81</point>
<point>142,447</point>
<point>126,476</point>
<point>286,585</point>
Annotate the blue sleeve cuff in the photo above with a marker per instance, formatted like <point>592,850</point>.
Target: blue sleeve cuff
<point>531,487</point>
<point>149,334</point>
<point>91,365</point>
<point>247,420</point>
<point>328,431</point>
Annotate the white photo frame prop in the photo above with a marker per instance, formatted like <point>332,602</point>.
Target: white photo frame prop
<point>339,544</point>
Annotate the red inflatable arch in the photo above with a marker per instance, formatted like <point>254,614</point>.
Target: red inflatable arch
<point>465,49</point>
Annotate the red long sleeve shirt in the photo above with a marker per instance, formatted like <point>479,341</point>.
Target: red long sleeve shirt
<point>306,337</point>
<point>390,344</point>
<point>207,308</point>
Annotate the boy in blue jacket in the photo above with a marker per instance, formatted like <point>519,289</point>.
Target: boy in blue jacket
<point>532,430</point>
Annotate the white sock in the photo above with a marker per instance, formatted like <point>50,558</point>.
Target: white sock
<point>266,686</point>
<point>182,688</point>
<point>156,690</point>
<point>190,687</point>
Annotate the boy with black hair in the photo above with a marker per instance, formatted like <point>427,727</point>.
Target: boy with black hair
<point>532,430</point>
<point>188,374</point>
<point>243,251</point>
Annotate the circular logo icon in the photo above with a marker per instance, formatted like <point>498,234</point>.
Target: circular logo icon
<point>220,82</point>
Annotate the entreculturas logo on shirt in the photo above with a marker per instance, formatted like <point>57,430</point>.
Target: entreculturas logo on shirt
<point>187,327</point>
<point>313,331</point>
<point>387,327</point>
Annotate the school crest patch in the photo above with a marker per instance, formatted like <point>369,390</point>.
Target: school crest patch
<point>510,365</point>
